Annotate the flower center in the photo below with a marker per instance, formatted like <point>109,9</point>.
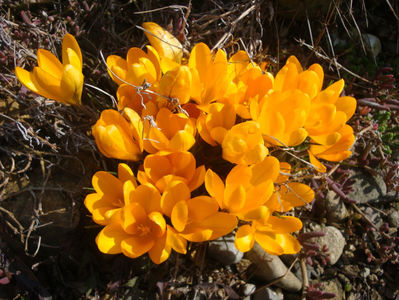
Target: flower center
<point>143,230</point>
<point>240,145</point>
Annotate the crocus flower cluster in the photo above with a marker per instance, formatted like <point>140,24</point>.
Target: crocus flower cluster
<point>168,103</point>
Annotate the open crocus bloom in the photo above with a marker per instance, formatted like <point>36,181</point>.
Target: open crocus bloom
<point>119,136</point>
<point>243,144</point>
<point>52,79</point>
<point>163,167</point>
<point>335,152</point>
<point>138,67</point>
<point>248,81</point>
<point>139,227</point>
<point>210,76</point>
<point>196,219</point>
<point>281,116</point>
<point>173,132</point>
<point>292,77</point>
<point>214,122</point>
<point>109,193</point>
<point>247,188</point>
<point>272,233</point>
<point>328,114</point>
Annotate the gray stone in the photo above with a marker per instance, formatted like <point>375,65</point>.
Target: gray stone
<point>267,294</point>
<point>333,239</point>
<point>270,268</point>
<point>335,208</point>
<point>372,44</point>
<point>373,215</point>
<point>365,272</point>
<point>393,218</point>
<point>224,251</point>
<point>367,188</point>
<point>248,289</point>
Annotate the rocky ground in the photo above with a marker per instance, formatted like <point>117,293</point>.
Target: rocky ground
<point>47,156</point>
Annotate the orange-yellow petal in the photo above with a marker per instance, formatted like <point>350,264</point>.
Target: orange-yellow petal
<point>105,183</point>
<point>118,66</point>
<point>47,61</point>
<point>215,187</point>
<point>174,240</point>
<point>181,141</point>
<point>160,251</point>
<point>254,214</point>
<point>176,83</point>
<point>234,199</point>
<point>316,163</point>
<point>284,224</point>
<point>289,244</point>
<point>220,223</point>
<point>71,85</point>
<point>245,238</point>
<point>197,234</point>
<point>125,173</point>
<point>347,105</point>
<point>159,224</point>
<point>298,194</point>
<point>175,192</point>
<point>268,169</point>
<point>110,238</point>
<point>135,246</point>
<point>165,43</point>
<point>28,79</point>
<point>179,215</point>
<point>71,53</point>
<point>268,242</point>
<point>201,207</point>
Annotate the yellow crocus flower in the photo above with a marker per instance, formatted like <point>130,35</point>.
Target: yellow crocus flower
<point>210,76</point>
<point>172,132</point>
<point>139,228</point>
<point>215,121</point>
<point>246,190</point>
<point>243,144</point>
<point>138,67</point>
<point>119,136</point>
<point>109,194</point>
<point>169,48</point>
<point>337,151</point>
<point>163,167</point>
<point>272,233</point>
<point>281,116</point>
<point>196,219</point>
<point>52,79</point>
<point>175,84</point>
